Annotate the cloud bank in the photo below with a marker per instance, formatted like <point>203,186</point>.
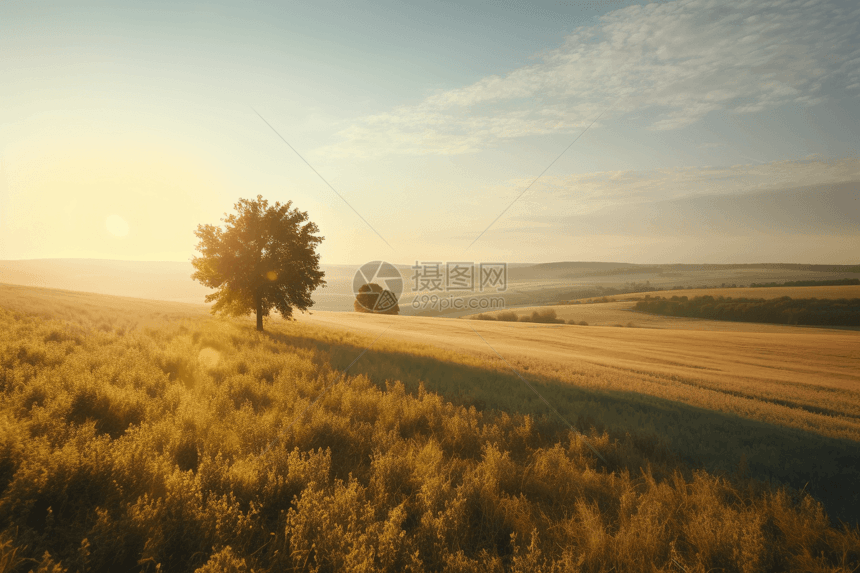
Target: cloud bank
<point>820,210</point>
<point>782,203</point>
<point>665,65</point>
<point>585,193</point>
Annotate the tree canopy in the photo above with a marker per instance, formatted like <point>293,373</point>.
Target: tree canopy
<point>264,258</point>
<point>372,298</point>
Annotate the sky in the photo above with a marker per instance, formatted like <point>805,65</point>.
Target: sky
<point>689,131</point>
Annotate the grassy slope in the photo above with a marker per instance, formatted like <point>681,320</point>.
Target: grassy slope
<point>137,440</point>
<point>788,404</point>
<point>102,311</point>
<point>806,379</point>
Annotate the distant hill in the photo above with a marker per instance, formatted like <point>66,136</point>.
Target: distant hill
<point>156,280</point>
<point>561,270</point>
<point>529,284</point>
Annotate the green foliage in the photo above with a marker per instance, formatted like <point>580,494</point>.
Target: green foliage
<point>785,310</point>
<point>507,316</point>
<point>547,316</point>
<point>264,258</point>
<point>189,445</point>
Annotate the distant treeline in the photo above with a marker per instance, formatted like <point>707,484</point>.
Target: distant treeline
<point>834,282</point>
<point>634,287</point>
<point>785,310</point>
<point>572,297</point>
<point>547,316</point>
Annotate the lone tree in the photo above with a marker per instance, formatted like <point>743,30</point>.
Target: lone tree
<point>264,257</point>
<point>372,298</point>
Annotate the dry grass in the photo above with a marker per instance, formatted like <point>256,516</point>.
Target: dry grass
<point>188,443</point>
<point>100,311</point>
<point>773,377</point>
<point>788,403</point>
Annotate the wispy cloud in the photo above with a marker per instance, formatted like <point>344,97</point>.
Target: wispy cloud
<point>671,63</point>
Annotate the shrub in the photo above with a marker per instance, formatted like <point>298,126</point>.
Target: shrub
<point>547,316</point>
<point>374,299</point>
<point>508,316</point>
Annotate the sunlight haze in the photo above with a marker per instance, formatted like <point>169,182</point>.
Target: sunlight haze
<point>424,286</point>
<point>124,128</point>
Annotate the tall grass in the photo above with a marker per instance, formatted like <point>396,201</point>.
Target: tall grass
<point>195,444</point>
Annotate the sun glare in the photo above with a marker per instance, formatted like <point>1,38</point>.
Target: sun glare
<point>116,226</point>
<point>209,357</point>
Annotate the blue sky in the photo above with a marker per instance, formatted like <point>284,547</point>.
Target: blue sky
<point>430,119</point>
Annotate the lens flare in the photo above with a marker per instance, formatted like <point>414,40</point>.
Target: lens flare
<point>209,357</point>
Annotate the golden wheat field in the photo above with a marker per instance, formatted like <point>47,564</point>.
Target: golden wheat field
<point>801,379</point>
<point>144,436</point>
<point>802,372</point>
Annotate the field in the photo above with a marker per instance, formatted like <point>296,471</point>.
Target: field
<point>826,313</point>
<point>621,314</point>
<point>103,312</point>
<point>619,310</point>
<point>141,436</point>
<point>787,401</point>
<point>527,284</point>
<point>829,292</point>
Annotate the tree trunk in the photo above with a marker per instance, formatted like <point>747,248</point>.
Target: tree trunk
<point>260,313</point>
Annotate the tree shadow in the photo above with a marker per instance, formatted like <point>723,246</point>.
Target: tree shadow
<point>827,468</point>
